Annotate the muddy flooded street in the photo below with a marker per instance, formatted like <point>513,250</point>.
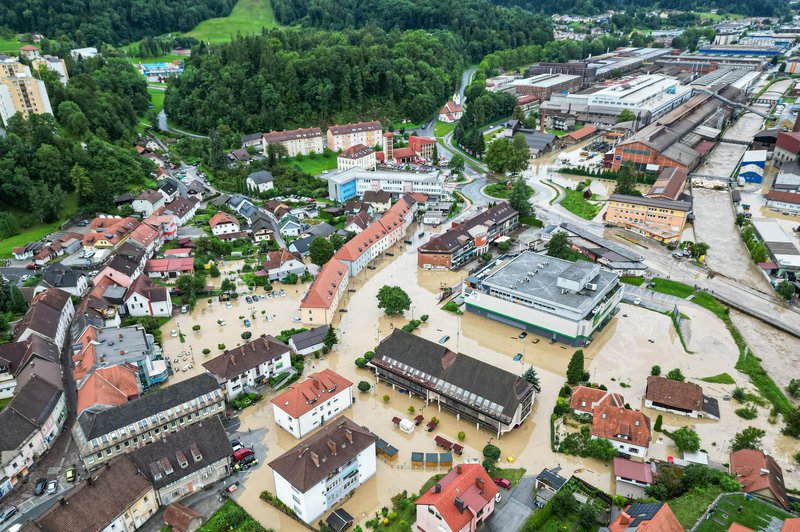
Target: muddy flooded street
<point>620,357</point>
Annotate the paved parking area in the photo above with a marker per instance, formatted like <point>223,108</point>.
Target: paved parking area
<point>515,508</point>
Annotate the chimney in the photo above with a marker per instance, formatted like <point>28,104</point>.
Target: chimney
<point>437,488</point>
<point>315,458</point>
<point>302,451</point>
<point>541,121</point>
<point>796,127</point>
<point>349,435</point>
<point>331,446</point>
<point>458,469</point>
<point>459,502</point>
<point>479,483</point>
<point>764,471</point>
<point>624,518</point>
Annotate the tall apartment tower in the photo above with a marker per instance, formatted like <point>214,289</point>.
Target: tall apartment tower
<point>20,92</point>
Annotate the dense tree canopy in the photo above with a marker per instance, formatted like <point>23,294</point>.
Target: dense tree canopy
<point>88,22</point>
<point>293,78</point>
<point>759,8</point>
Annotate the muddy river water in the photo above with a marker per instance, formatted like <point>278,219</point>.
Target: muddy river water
<point>620,357</point>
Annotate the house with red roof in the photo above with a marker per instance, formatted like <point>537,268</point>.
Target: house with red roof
<point>783,200</point>
<point>632,477</point>
<point>319,304</point>
<point>107,387</point>
<point>451,112</point>
<point>146,298</point>
<point>307,405</point>
<point>646,517</point>
<point>584,399</point>
<point>223,224</point>
<point>169,268</point>
<point>759,474</point>
<point>461,501</point>
<point>627,430</point>
<point>356,156</point>
<point>787,147</point>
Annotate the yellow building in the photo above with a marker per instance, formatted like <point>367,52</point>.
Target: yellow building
<point>657,218</point>
<point>20,92</point>
<point>55,64</point>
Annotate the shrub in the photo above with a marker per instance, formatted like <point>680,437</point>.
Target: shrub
<point>739,394</point>
<point>361,362</point>
<point>676,375</point>
<point>565,391</point>
<point>655,370</point>
<point>488,465</point>
<point>435,420</point>
<point>562,407</point>
<point>794,388</point>
<point>659,420</point>
<point>747,412</point>
<point>364,386</point>
<point>221,347</point>
<point>424,317</point>
<point>492,452</point>
<point>411,410</point>
<point>462,436</point>
<point>195,328</point>
<point>369,355</point>
<point>686,439</point>
<point>407,328</point>
<point>206,351</point>
<point>386,398</point>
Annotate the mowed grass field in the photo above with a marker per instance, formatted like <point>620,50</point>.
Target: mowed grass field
<point>10,45</point>
<point>248,16</point>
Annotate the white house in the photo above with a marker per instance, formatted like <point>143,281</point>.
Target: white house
<point>310,404</point>
<point>308,342</point>
<point>260,182</point>
<point>627,430</point>
<point>290,226</point>
<point>148,201</point>
<point>145,298</point>
<point>326,467</point>
<point>451,112</point>
<point>279,264</point>
<point>357,156</point>
<point>48,316</point>
<point>74,282</point>
<point>251,364</point>
<point>223,224</point>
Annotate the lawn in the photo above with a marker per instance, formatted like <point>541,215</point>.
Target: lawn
<point>690,506</point>
<point>574,203</point>
<point>513,475</point>
<point>167,58</point>
<point>248,16</point>
<point>558,523</point>
<point>755,514</point>
<point>491,135</point>
<point>443,128</point>
<point>557,132</point>
<point>635,281</point>
<point>157,99</point>
<point>722,378</point>
<point>4,402</point>
<point>501,191</point>
<point>316,165</point>
<point>37,231</point>
<point>231,516</point>
<point>673,288</point>
<point>10,45</point>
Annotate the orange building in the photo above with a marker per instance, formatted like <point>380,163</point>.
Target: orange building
<point>660,219</point>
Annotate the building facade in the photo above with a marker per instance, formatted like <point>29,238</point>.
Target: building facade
<point>20,92</point>
<point>344,136</point>
<point>657,218</point>
<point>358,156</point>
<point>310,404</point>
<point>250,364</point>
<point>296,141</point>
<point>347,184</point>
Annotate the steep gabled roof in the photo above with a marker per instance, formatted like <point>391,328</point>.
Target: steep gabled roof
<point>238,360</point>
<point>621,424</point>
<point>470,484</point>
<point>757,471</point>
<point>302,397</point>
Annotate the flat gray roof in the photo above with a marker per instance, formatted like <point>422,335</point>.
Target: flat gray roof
<point>359,173</point>
<point>542,285</point>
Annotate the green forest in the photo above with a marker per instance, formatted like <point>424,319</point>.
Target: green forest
<point>90,23</point>
<point>293,78</point>
<point>756,8</point>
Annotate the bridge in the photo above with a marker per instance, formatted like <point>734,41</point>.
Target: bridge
<point>734,104</point>
<point>734,141</point>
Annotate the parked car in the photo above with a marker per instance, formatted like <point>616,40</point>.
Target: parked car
<point>83,223</point>
<point>498,497</point>
<point>248,299</point>
<point>173,333</point>
<point>637,301</point>
<point>41,484</point>
<point>522,335</point>
<point>32,266</point>
<point>228,305</point>
<point>72,474</point>
<point>269,318</point>
<point>256,297</point>
<point>241,454</point>
<point>247,323</point>
<point>184,309</point>
<point>236,444</point>
<point>297,319</point>
<point>503,483</point>
<point>444,338</point>
<point>677,254</point>
<point>7,512</point>
<point>52,487</point>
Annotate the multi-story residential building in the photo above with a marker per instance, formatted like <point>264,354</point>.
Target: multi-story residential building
<point>324,468</point>
<point>344,136</point>
<point>310,404</point>
<point>101,436</point>
<point>223,224</point>
<point>20,92</point>
<point>627,430</point>
<point>260,182</point>
<point>183,209</point>
<point>357,156</point>
<point>55,64</point>
<point>186,461</point>
<point>682,398</point>
<point>31,422</point>
<point>148,202</point>
<point>19,361</point>
<point>296,141</point>
<point>108,232</point>
<point>379,200</point>
<point>460,502</point>
<point>250,364</point>
<point>145,298</point>
<point>125,265</point>
<point>279,264</point>
<point>321,301</point>
<point>585,399</point>
<point>657,218</point>
<point>49,315</point>
<point>422,146</point>
<point>346,184</point>
<point>499,400</point>
<point>465,241</point>
<point>115,498</point>
<point>554,298</point>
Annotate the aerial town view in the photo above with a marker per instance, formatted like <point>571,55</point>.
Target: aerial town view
<point>419,265</point>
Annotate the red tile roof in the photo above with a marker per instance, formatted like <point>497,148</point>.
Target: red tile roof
<point>304,396</point>
<point>469,482</point>
<point>353,128</point>
<point>584,399</point>
<point>451,107</point>
<point>757,471</point>
<point>403,153</point>
<point>324,288</point>
<point>791,525</point>
<point>110,386</point>
<point>276,259</point>
<point>221,218</point>
<point>736,527</point>
<point>293,134</point>
<point>356,152</point>
<point>173,264</point>
<point>674,394</point>
<point>789,141</point>
<point>663,521</point>
<point>147,289</point>
<point>179,251</point>
<point>180,517</point>
<point>783,196</point>
<point>633,470</point>
<point>583,132</point>
<point>621,424</point>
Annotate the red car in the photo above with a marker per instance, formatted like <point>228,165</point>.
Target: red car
<point>32,266</point>
<point>503,483</point>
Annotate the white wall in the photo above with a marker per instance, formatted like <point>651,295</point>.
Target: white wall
<point>316,417</point>
<point>225,229</point>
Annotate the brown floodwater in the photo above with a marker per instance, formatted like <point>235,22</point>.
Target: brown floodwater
<point>620,357</point>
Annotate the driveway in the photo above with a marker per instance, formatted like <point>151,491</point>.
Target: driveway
<point>511,513</point>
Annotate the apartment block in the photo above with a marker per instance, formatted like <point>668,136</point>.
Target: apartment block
<point>20,92</point>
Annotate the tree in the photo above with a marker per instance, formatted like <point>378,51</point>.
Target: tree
<point>564,503</point>
<point>364,386</point>
<point>228,285</point>
<point>320,251</point>
<point>587,517</point>
<point>72,118</point>
<point>518,114</point>
<point>559,246</point>
<point>794,388</point>
<point>393,300</point>
<point>626,181</point>
<point>492,452</point>
<point>498,156</point>
<point>337,241</point>
<point>532,377</point>
<point>749,438</point>
<point>676,375</point>
<point>626,116</point>
<point>216,152</point>
<point>190,285</point>
<point>520,192</point>
<point>575,369</point>
<point>792,419</point>
<point>785,290</point>
<point>699,249</point>
<point>686,440</point>
<point>657,425</point>
<point>435,155</point>
<point>456,164</point>
<point>330,338</point>
<point>655,370</point>
<point>520,154</point>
